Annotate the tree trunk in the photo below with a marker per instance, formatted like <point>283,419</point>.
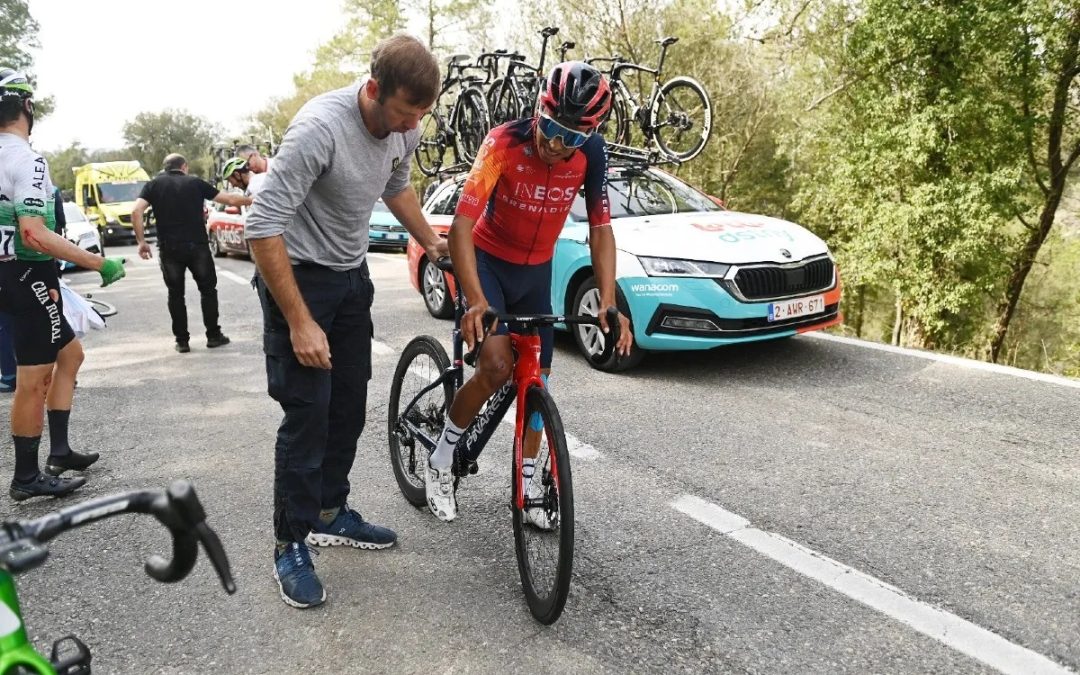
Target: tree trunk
<point>1058,166</point>
<point>898,324</point>
<point>1022,267</point>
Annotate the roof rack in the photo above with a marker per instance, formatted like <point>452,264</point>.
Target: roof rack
<point>625,155</point>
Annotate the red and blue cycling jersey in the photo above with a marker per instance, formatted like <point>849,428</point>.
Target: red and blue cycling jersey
<point>520,202</point>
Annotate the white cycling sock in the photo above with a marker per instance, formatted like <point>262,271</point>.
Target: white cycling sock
<point>443,456</point>
<point>528,468</point>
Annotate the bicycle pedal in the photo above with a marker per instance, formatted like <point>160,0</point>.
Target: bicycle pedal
<point>70,656</point>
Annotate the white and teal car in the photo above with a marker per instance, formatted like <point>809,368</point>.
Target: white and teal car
<point>691,274</point>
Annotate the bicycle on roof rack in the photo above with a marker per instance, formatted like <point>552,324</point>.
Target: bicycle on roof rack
<point>676,116</point>
<point>22,548</point>
<point>514,95</point>
<point>460,128</point>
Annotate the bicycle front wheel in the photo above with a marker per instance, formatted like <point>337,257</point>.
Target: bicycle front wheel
<point>682,119</point>
<point>544,529</point>
<point>104,309</point>
<point>414,430</point>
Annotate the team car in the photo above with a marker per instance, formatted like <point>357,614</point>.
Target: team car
<point>691,275</point>
<point>225,229</point>
<point>384,230</point>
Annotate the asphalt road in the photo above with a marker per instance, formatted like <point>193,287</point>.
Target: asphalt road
<point>802,506</point>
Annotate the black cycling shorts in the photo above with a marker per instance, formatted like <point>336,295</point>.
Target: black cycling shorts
<point>510,288</point>
<point>30,292</point>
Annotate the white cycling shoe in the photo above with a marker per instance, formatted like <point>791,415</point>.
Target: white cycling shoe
<point>439,486</point>
<point>537,516</point>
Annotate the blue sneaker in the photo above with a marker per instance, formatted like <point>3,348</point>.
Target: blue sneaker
<point>296,578</point>
<point>349,529</point>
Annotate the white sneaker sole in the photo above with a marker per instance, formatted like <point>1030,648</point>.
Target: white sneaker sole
<point>292,603</point>
<point>316,539</point>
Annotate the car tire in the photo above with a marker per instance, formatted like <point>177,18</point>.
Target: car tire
<point>216,248</point>
<point>589,340</point>
<point>435,290</point>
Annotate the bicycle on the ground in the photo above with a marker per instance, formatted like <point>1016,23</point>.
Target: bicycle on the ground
<point>514,95</point>
<point>22,548</point>
<point>460,128</point>
<point>424,385</point>
<point>676,116</point>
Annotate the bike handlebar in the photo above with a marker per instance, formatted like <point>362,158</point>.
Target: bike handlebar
<point>537,320</point>
<point>445,264</point>
<point>178,508</point>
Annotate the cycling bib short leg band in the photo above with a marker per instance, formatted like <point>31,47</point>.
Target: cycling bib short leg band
<point>31,294</point>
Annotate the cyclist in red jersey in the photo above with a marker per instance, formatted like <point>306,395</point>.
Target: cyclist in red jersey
<point>514,205</point>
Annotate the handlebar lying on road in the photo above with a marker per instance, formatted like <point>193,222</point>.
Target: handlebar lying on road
<point>178,509</point>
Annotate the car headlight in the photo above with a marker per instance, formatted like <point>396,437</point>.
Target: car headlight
<point>675,267</point>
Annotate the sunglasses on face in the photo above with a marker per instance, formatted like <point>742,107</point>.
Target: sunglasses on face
<point>570,138</point>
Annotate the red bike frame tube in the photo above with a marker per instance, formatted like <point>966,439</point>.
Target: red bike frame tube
<point>526,374</point>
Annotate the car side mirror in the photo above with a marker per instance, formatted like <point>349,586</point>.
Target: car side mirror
<point>234,210</point>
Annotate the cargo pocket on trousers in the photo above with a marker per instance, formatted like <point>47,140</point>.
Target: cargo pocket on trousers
<point>287,381</point>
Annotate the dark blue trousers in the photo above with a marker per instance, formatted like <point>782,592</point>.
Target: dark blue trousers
<point>324,409</point>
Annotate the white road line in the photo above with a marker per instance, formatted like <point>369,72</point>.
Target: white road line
<point>381,348</point>
<point>951,360</point>
<point>231,276</point>
<point>949,629</point>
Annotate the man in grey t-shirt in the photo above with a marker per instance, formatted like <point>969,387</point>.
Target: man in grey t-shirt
<point>308,231</point>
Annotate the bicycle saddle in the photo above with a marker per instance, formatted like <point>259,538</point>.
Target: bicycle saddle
<point>458,58</point>
<point>667,41</point>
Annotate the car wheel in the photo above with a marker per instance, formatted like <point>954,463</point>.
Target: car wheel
<point>435,290</point>
<point>590,340</point>
<point>215,246</point>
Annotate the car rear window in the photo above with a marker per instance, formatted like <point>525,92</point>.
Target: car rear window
<point>72,213</point>
<point>647,193</point>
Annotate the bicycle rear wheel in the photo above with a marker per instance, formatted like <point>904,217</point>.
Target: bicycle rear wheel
<point>472,123</point>
<point>682,118</point>
<point>429,154</point>
<point>546,556</point>
<point>422,362</point>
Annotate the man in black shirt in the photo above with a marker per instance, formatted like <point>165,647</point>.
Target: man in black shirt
<point>177,199</point>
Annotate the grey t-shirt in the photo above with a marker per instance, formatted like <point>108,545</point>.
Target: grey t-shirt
<point>327,175</point>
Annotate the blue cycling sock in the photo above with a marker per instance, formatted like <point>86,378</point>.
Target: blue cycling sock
<point>535,422</point>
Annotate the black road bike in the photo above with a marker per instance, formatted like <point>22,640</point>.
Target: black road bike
<point>676,116</point>
<point>424,385</point>
<point>514,95</point>
<point>459,129</point>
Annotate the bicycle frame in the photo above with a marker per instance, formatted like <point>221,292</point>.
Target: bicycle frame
<point>15,647</point>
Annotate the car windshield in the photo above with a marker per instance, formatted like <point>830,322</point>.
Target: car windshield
<point>647,193</point>
<point>380,206</point>
<point>112,193</point>
<point>72,213</point>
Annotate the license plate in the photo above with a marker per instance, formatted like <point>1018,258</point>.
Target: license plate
<point>789,309</point>
<point>396,236</point>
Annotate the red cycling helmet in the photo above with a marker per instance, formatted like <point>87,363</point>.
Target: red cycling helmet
<point>576,95</point>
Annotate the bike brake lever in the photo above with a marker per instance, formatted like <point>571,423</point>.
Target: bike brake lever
<point>611,339</point>
<point>216,552</point>
<point>490,317</point>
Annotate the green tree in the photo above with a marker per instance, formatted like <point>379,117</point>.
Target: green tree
<point>18,34</point>
<point>63,161</point>
<point>338,62</point>
<point>152,136</point>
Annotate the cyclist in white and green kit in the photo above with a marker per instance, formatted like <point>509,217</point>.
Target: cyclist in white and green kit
<point>47,352</point>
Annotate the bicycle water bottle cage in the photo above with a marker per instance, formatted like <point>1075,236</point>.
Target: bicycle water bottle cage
<point>70,656</point>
